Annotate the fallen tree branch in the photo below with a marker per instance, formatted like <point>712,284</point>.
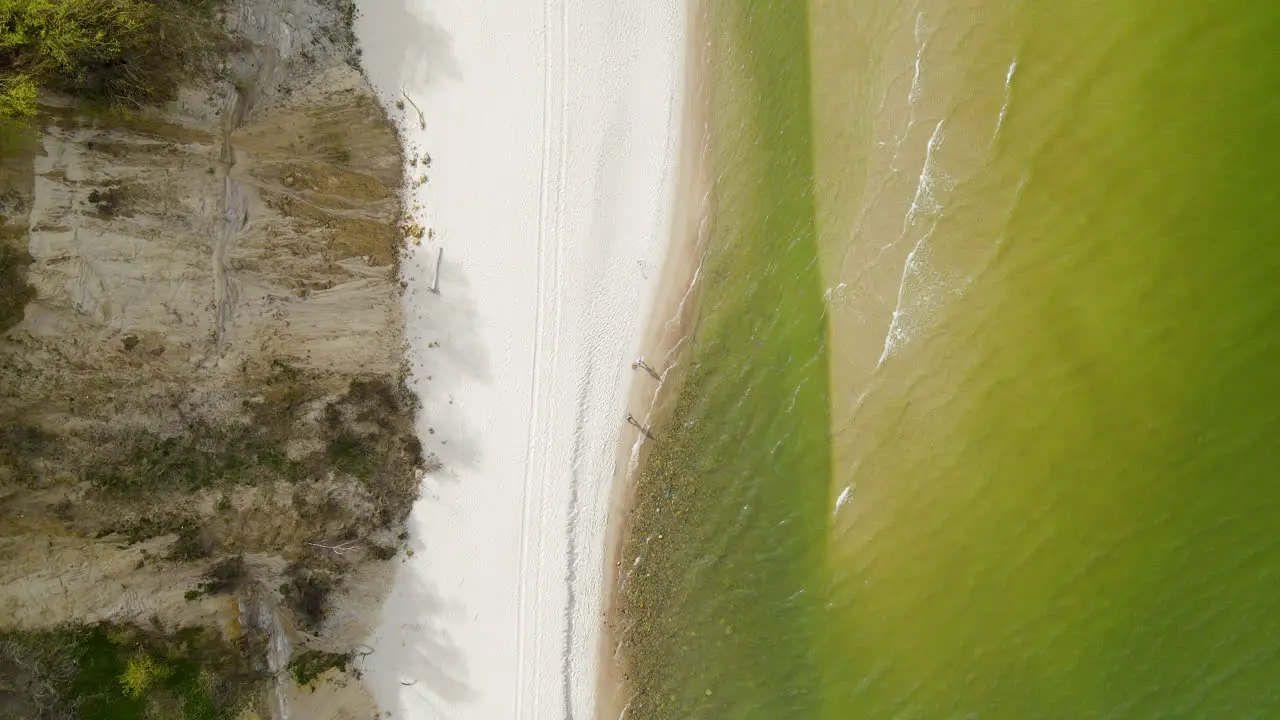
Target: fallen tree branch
<point>339,549</point>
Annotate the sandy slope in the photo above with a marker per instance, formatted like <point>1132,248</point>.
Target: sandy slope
<point>553,130</point>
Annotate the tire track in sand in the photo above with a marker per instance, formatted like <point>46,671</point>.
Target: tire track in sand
<point>548,251</point>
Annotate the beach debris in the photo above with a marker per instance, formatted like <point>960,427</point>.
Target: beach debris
<point>426,159</point>
<point>435,281</point>
<point>338,549</point>
<point>288,180</point>
<point>431,234</point>
<point>422,179</point>
<point>399,104</point>
<point>422,121</point>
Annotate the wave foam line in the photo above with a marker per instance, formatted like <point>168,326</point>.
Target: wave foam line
<point>1008,93</point>
<point>897,334</point>
<point>925,199</point>
<point>921,45</point>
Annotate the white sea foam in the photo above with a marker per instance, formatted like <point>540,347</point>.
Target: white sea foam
<point>899,326</point>
<point>922,44</point>
<point>845,495</point>
<point>1008,93</point>
<point>925,199</point>
<point>925,204</point>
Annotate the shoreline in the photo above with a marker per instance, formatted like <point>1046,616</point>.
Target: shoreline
<point>553,133</point>
<point>669,321</point>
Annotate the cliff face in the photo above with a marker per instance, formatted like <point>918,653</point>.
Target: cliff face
<point>201,352</point>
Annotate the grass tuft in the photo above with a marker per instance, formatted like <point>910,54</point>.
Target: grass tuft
<point>307,666</point>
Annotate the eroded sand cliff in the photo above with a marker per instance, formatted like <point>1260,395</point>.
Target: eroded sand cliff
<point>202,351</point>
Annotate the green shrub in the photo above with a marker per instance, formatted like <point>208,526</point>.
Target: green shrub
<point>141,672</point>
<point>15,293</point>
<point>311,664</point>
<point>18,95</point>
<point>125,672</point>
<point>123,53</point>
<point>225,576</point>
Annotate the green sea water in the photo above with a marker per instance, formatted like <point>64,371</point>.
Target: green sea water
<point>982,409</point>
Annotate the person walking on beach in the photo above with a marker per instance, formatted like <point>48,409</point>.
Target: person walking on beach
<point>640,364</point>
<point>643,430</point>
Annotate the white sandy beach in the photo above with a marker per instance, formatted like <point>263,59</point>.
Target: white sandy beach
<point>554,135</point>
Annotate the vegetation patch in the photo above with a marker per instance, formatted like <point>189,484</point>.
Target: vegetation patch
<point>114,672</point>
<point>190,544</point>
<point>336,150</point>
<point>21,444</point>
<point>306,594</point>
<point>225,576</point>
<point>383,552</point>
<point>342,34</point>
<point>307,666</point>
<point>352,471</point>
<point>118,53</point>
<point>369,434</point>
<point>110,201</point>
<point>204,455</point>
<point>149,526</point>
<point>15,293</point>
<point>366,433</point>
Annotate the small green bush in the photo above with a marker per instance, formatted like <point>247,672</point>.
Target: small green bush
<point>225,576</point>
<point>125,672</point>
<point>189,545</point>
<point>307,596</point>
<point>47,41</point>
<point>141,672</point>
<point>15,293</point>
<point>123,53</point>
<point>309,665</point>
